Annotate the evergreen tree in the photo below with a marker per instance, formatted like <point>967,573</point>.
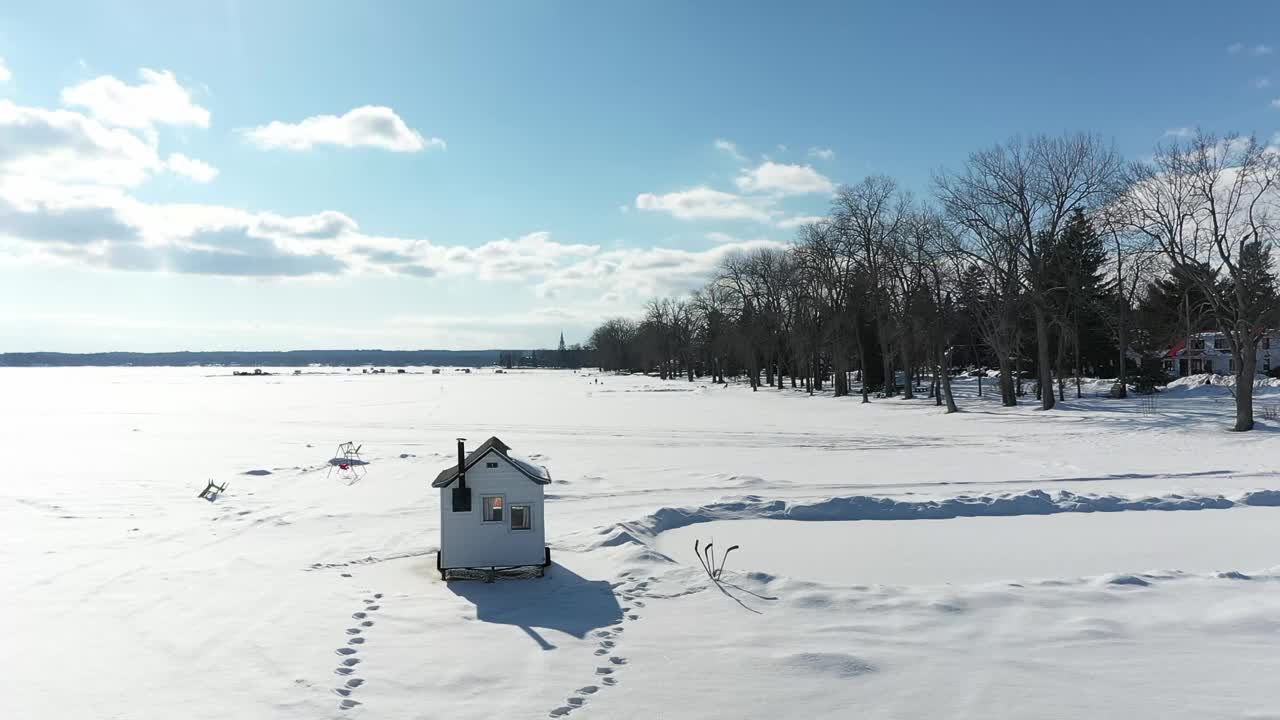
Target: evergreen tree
<point>1172,308</point>
<point>1076,280</point>
<point>1258,286</point>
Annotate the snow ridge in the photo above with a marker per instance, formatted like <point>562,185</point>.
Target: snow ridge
<point>868,507</point>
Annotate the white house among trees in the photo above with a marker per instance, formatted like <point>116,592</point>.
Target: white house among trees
<point>491,511</point>
<point>1210,352</point>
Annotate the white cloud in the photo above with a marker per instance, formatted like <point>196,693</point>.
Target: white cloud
<point>1258,50</point>
<point>530,255</point>
<point>158,100</point>
<point>5,75</point>
<point>1262,82</point>
<point>702,203</point>
<point>821,153</point>
<point>730,148</point>
<point>197,170</point>
<point>321,226</point>
<point>782,179</point>
<point>108,229</point>
<point>799,220</point>
<point>367,126</point>
<point>639,273</point>
<point>1179,132</point>
<point>64,199</point>
<point>67,146</point>
<point>1275,103</point>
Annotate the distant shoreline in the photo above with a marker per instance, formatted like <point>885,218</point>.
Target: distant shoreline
<point>282,358</point>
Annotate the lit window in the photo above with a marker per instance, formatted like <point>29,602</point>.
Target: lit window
<point>521,518</point>
<point>493,508</point>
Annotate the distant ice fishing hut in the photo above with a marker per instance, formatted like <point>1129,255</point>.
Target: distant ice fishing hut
<point>491,511</point>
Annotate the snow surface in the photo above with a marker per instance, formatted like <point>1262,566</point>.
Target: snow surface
<point>969,550</point>
<point>294,595</point>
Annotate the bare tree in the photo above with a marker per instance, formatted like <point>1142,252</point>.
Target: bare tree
<point>1132,256</point>
<point>868,216</point>
<point>1206,203</point>
<point>930,240</point>
<point>1021,193</point>
<point>826,259</point>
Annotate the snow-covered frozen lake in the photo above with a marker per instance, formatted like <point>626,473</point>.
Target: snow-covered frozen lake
<point>296,596</point>
<point>990,549</point>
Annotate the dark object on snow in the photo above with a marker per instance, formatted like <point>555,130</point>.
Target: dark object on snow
<point>490,574</point>
<point>708,559</point>
<point>348,463</point>
<point>211,491</point>
<point>462,493</point>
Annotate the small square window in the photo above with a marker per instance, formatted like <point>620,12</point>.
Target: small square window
<point>491,464</point>
<point>521,518</point>
<point>462,499</point>
<point>493,508</point>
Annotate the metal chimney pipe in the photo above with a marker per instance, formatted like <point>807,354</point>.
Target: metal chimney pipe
<point>462,459</point>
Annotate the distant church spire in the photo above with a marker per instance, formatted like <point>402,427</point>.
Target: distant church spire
<point>561,348</point>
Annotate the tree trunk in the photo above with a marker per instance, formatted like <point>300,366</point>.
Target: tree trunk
<point>1076,333</point>
<point>1062,361</point>
<point>1017,372</point>
<point>839,381</point>
<point>1008,393</point>
<point>1042,358</point>
<point>862,358</point>
<point>935,385</point>
<point>907,381</point>
<point>886,359</point>
<point>1121,376</point>
<point>944,377</point>
<point>1246,362</point>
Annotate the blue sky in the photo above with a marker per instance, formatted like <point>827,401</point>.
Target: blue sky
<point>409,175</point>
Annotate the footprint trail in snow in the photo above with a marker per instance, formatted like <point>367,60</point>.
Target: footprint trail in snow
<point>355,641</point>
<point>607,645</point>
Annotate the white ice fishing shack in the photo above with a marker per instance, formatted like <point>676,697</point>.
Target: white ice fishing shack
<point>491,511</point>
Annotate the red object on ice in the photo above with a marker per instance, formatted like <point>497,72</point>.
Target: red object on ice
<point>344,466</point>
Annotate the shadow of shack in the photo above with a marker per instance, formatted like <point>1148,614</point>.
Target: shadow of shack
<point>563,601</point>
